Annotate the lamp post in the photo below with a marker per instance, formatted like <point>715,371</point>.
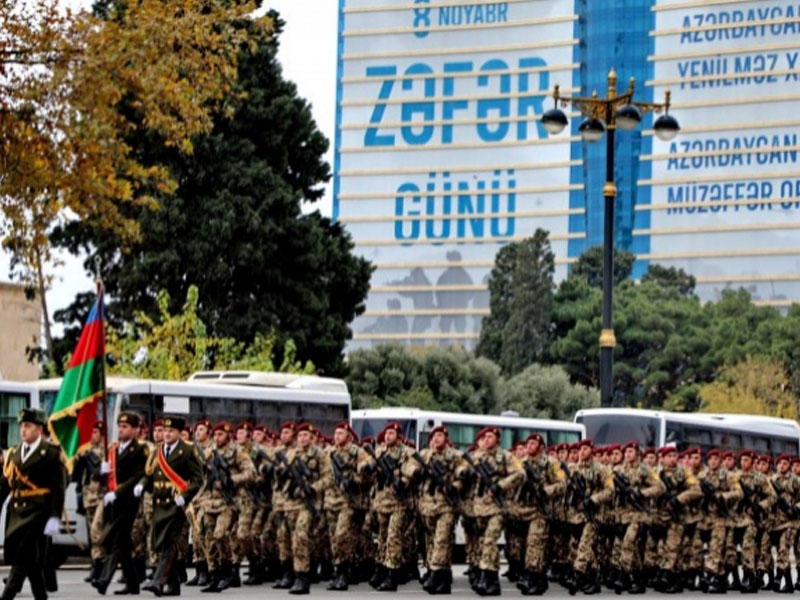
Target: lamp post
<point>603,115</point>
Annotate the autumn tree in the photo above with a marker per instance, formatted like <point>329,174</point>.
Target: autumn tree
<point>63,78</point>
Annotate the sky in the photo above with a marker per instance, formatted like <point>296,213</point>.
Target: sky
<point>308,56</point>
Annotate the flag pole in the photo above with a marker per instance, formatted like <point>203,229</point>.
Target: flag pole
<point>102,308</point>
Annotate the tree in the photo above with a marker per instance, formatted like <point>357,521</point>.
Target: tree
<point>589,266</point>
<point>63,78</point>
<point>754,386</point>
<point>234,227</point>
<point>545,392</point>
<point>517,331</point>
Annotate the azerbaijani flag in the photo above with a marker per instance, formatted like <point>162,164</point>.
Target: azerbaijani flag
<point>75,410</point>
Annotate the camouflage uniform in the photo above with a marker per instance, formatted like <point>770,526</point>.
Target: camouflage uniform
<point>92,488</point>
<point>759,497</point>
<point>724,491</point>
<point>787,487</point>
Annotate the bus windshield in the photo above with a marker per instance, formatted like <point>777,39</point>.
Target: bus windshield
<point>607,428</point>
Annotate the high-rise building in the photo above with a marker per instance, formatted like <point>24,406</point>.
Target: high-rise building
<point>441,158</point>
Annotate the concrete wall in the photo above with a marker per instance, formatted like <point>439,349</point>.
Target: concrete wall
<point>20,324</point>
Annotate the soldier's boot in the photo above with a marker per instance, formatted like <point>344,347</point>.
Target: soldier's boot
<point>287,577</point>
<point>213,582</point>
<point>326,570</point>
<point>271,569</point>
<point>717,584</point>
<point>734,579</point>
<point>377,576</point>
<point>140,564</point>
<point>513,571</point>
<point>473,576</point>
<point>591,583</point>
<point>389,583</point>
<point>491,583</point>
<point>751,582</point>
<point>227,575</point>
<point>340,583</point>
<point>776,580</point>
<point>94,571</point>
<point>575,582</point>
<point>690,580</point>
<point>442,582</point>
<point>429,580</point>
<point>200,570</point>
<point>301,584</point>
<point>672,583</point>
<point>638,583</point>
<point>767,585</point>
<point>525,582</point>
<point>255,574</point>
<point>787,587</point>
<point>622,582</point>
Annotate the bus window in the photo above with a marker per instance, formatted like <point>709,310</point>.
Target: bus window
<point>759,444</point>
<point>698,437</point>
<point>462,434</point>
<point>603,429</point>
<point>10,405</point>
<point>372,427</point>
<point>726,440</point>
<point>556,437</point>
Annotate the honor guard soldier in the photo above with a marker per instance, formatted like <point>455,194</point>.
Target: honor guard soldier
<point>498,475</point>
<point>124,468</point>
<point>34,477</point>
<point>174,473</point>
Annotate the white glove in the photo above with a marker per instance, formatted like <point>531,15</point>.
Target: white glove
<point>52,526</point>
<point>180,501</point>
<point>105,468</point>
<point>109,498</point>
<point>138,489</point>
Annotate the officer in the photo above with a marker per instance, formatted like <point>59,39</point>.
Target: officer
<point>35,477</point>
<point>124,468</point>
<point>174,473</point>
<point>345,501</point>
<point>498,475</point>
<point>90,489</point>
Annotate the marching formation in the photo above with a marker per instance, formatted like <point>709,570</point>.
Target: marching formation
<point>300,508</point>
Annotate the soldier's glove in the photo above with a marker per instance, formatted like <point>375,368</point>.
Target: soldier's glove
<point>138,489</point>
<point>52,526</point>
<point>105,468</point>
<point>180,501</point>
<point>109,498</point>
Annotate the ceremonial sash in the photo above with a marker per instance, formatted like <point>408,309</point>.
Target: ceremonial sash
<point>112,461</point>
<point>176,479</point>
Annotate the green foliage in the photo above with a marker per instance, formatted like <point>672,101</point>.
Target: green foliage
<point>545,392</point>
<point>517,332</point>
<point>175,346</point>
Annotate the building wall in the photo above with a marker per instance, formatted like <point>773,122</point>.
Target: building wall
<point>20,324</point>
<point>440,158</point>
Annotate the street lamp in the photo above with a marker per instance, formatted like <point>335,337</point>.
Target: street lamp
<point>603,115</point>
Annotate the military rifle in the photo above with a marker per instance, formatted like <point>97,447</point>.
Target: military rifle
<point>299,476</point>
<point>626,493</point>
<point>580,497</point>
<point>671,497</point>
<point>783,504</point>
<point>711,497</point>
<point>535,485</point>
<point>485,473</point>
<point>437,472</point>
<point>345,483</point>
<point>219,472</point>
<point>750,501</point>
<point>386,467</point>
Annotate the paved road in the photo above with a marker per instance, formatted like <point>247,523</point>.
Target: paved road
<point>72,587</point>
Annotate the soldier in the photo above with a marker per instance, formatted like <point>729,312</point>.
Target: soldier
<point>590,485</point>
<point>635,483</point>
<point>787,488</point>
<point>125,467</point>
<point>545,482</point>
<point>445,470</point>
<point>174,473</point>
<point>229,470</point>
<point>499,475</point>
<point>682,489</point>
<point>35,477</point>
<point>391,501</point>
<point>244,546</point>
<point>759,497</point>
<point>277,523</point>
<point>765,564</point>
<point>90,489</point>
<point>515,529</point>
<point>720,489</point>
<point>303,466</point>
<point>260,570</point>
<point>345,501</point>
<point>203,441</point>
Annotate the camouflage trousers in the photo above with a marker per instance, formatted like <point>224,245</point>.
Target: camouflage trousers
<point>244,545</point>
<point>391,534</point>
<point>670,548</point>
<point>217,539</point>
<point>198,543</point>
<point>283,535</point>
<point>782,540</point>
<point>343,534</point>
<point>586,537</point>
<point>439,539</point>
<point>299,524</point>
<point>94,522</point>
<point>536,544</point>
<point>764,560</point>
<point>472,547</point>
<point>489,530</point>
<point>714,562</point>
<point>628,547</point>
<point>653,543</point>
<point>140,536</point>
<point>515,531</point>
<point>269,535</point>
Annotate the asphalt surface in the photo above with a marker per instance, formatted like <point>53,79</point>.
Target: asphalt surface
<point>72,587</point>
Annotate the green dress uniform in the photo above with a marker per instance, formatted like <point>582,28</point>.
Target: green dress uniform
<point>36,485</point>
<point>169,518</point>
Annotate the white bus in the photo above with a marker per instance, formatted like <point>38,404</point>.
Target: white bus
<point>268,399</point>
<point>462,428</point>
<point>14,396</point>
<point>655,428</point>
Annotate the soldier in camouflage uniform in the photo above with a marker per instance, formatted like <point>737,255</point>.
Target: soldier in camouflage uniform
<point>590,486</point>
<point>682,490</point>
<point>344,500</point>
<point>91,486</point>
<point>720,489</point>
<point>141,526</point>
<point>391,502</point>
<point>515,528</point>
<point>545,483</point>
<point>261,569</point>
<point>498,475</point>
<point>277,521</point>
<point>203,441</point>
<point>304,466</point>
<point>228,470</point>
<point>244,542</point>
<point>444,470</point>
<point>787,488</point>
<point>635,485</point>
